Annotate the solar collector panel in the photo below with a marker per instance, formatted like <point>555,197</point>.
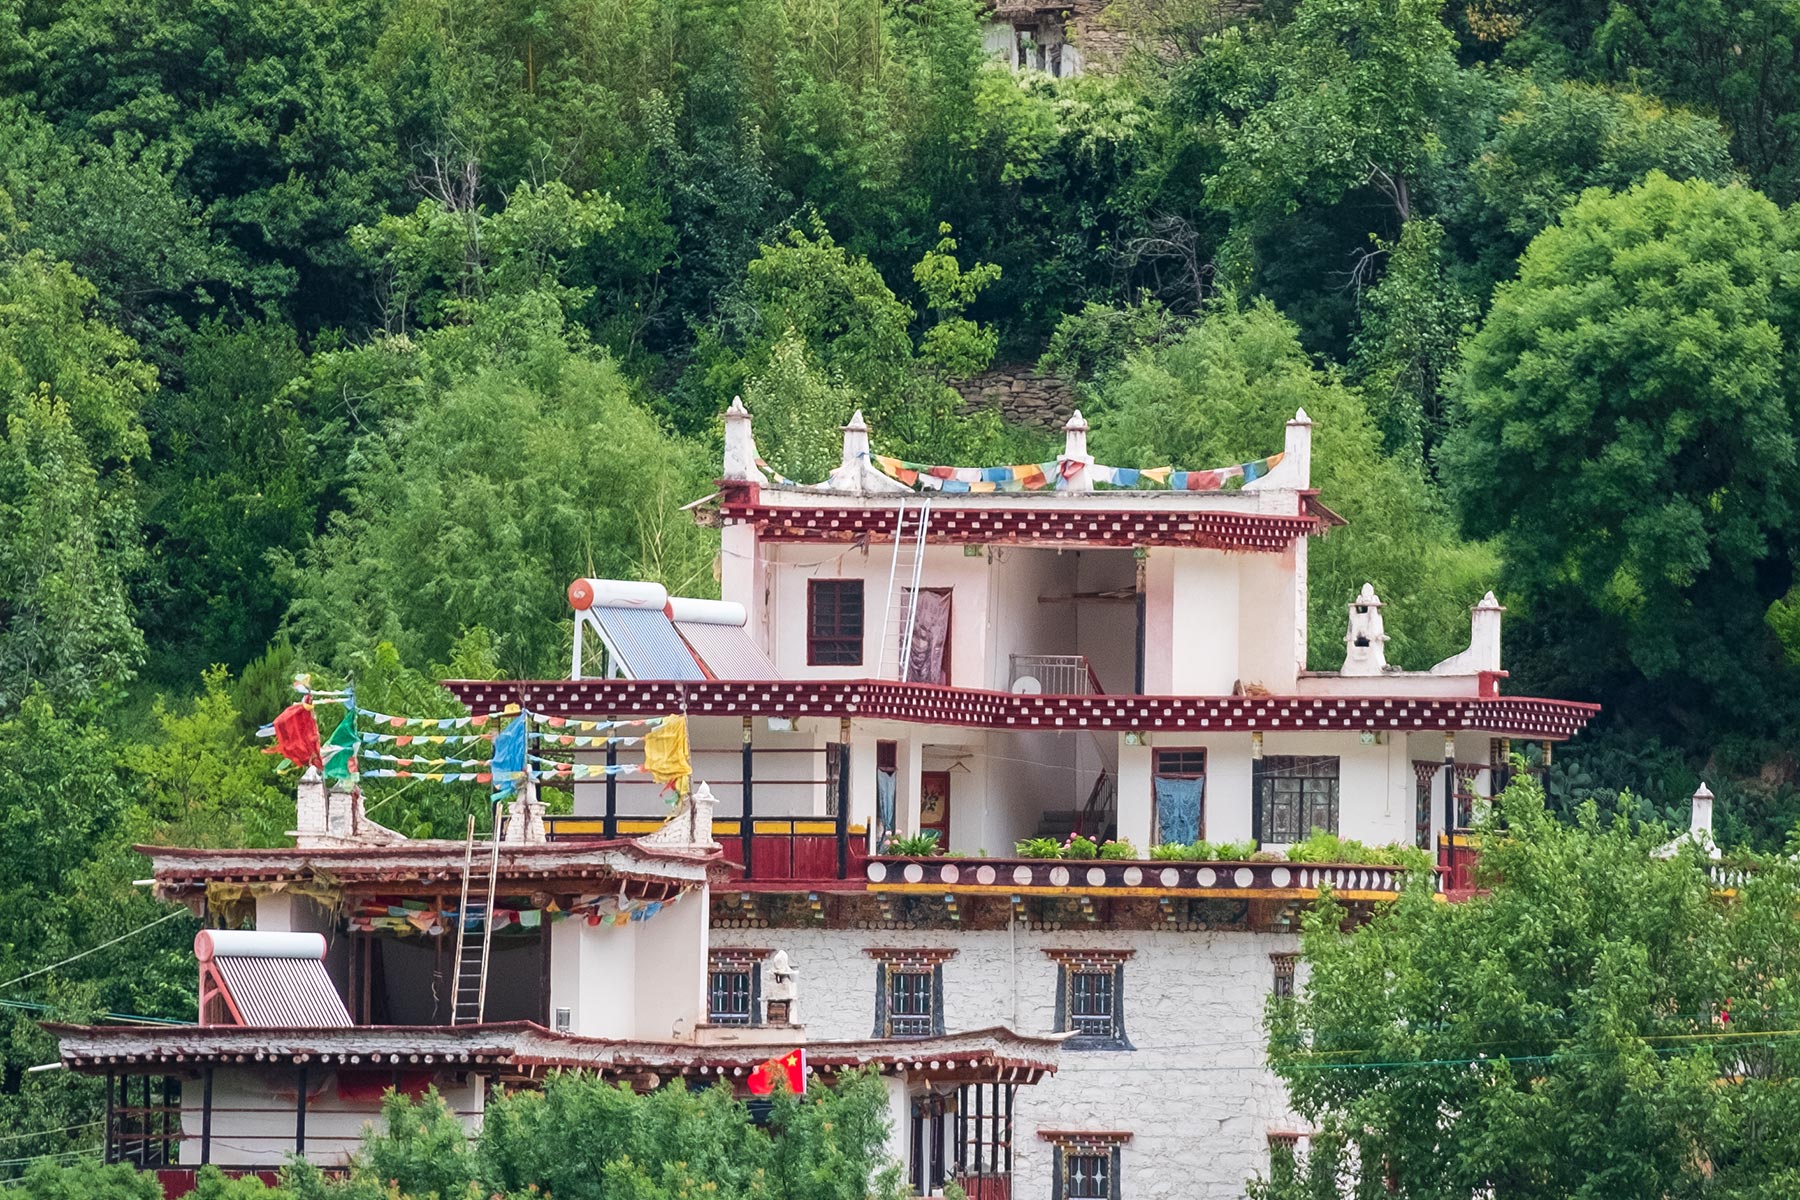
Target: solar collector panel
<point>646,643</point>
<point>727,651</point>
<point>282,992</point>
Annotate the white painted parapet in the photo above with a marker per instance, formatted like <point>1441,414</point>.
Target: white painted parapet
<point>1483,653</point>
<point>1294,471</point>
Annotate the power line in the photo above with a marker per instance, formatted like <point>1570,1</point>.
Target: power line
<point>13,1137</point>
<point>135,1018</point>
<point>169,916</point>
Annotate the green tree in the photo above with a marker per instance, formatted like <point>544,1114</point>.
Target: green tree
<point>235,476</point>
<point>798,411</point>
<point>1343,96</point>
<point>1597,1021</point>
<point>66,548</point>
<point>480,507</point>
<point>203,782</point>
<point>1405,348</point>
<point>1626,430</point>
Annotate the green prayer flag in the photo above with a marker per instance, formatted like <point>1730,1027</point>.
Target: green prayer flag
<point>339,750</point>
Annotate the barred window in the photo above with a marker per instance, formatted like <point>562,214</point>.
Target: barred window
<point>910,1000</point>
<point>1284,965</point>
<point>1091,1003</point>
<point>1089,1176</point>
<point>730,996</point>
<point>1295,794</point>
<point>834,622</point>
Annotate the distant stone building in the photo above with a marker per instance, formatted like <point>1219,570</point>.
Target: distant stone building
<point>1059,39</point>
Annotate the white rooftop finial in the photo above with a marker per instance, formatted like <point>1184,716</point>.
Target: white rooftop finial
<point>1365,644</point>
<point>740,445</point>
<point>1075,455</point>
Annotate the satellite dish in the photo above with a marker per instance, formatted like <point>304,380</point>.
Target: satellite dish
<point>1027,685</point>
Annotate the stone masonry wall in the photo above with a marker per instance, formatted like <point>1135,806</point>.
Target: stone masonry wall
<point>1024,396</point>
<point>1194,1092</point>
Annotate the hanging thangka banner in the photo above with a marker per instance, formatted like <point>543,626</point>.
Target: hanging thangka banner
<point>408,916</point>
<point>1035,476</point>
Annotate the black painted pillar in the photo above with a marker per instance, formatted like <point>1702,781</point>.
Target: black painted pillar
<point>747,826</point>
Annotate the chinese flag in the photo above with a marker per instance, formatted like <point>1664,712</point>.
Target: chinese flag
<point>790,1066</point>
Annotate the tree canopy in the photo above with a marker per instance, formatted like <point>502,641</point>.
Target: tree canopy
<point>1598,1022</point>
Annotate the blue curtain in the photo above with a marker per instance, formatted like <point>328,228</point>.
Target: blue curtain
<point>884,805</point>
<point>1178,809</point>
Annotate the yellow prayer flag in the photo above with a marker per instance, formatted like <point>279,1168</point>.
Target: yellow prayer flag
<point>666,754</point>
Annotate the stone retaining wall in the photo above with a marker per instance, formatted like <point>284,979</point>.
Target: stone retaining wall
<point>1024,396</point>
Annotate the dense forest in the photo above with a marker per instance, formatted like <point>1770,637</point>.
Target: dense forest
<point>340,334</point>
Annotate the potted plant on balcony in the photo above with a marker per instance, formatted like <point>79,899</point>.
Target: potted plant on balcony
<point>920,845</point>
<point>1038,847</point>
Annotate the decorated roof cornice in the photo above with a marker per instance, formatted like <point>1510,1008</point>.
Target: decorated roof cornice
<point>179,871</point>
<point>930,704</point>
<point>524,1047</point>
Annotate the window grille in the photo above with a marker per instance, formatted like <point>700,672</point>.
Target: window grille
<point>1091,1009</point>
<point>1284,965</point>
<point>1295,795</point>
<point>1089,1176</point>
<point>834,622</point>
<point>729,997</point>
<point>910,1000</point>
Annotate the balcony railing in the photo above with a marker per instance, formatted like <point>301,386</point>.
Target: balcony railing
<point>1055,675</point>
<point>1225,880</point>
<point>787,849</point>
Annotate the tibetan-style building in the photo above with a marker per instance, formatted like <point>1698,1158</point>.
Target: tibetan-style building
<point>1008,658</point>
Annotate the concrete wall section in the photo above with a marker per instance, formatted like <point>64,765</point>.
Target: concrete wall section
<point>671,960</point>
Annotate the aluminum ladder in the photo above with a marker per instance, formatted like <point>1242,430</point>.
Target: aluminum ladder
<point>469,985</point>
<point>903,585</point>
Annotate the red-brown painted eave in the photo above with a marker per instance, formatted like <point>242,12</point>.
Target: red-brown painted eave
<point>930,704</point>
<point>411,849</point>
<point>1063,526</point>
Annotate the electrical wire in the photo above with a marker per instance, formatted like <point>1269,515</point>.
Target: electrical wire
<point>135,1018</point>
<point>170,916</point>
<point>13,1137</point>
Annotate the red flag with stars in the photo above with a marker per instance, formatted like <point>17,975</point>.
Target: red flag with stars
<point>790,1066</point>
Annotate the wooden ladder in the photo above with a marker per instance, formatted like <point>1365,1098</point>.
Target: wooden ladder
<point>469,985</point>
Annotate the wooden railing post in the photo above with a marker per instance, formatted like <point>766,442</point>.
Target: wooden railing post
<point>843,810</point>
<point>747,826</point>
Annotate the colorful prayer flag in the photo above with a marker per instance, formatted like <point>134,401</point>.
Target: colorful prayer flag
<point>509,756</point>
<point>666,755</point>
<point>297,735</point>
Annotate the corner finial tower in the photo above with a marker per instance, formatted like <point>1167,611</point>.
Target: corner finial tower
<point>1075,457</point>
<point>740,445</point>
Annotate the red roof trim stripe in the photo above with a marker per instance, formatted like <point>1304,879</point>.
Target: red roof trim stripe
<point>1514,716</point>
<point>1221,530</point>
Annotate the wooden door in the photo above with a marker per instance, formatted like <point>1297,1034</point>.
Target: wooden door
<point>934,805</point>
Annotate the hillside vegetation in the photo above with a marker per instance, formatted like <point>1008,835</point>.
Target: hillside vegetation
<point>338,335</point>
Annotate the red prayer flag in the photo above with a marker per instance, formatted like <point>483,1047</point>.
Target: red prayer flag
<point>790,1067</point>
<point>297,736</point>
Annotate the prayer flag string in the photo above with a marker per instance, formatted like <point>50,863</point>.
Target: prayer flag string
<point>1036,476</point>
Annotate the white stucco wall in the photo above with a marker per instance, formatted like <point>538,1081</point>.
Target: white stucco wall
<point>254,1109</point>
<point>1194,1093</point>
